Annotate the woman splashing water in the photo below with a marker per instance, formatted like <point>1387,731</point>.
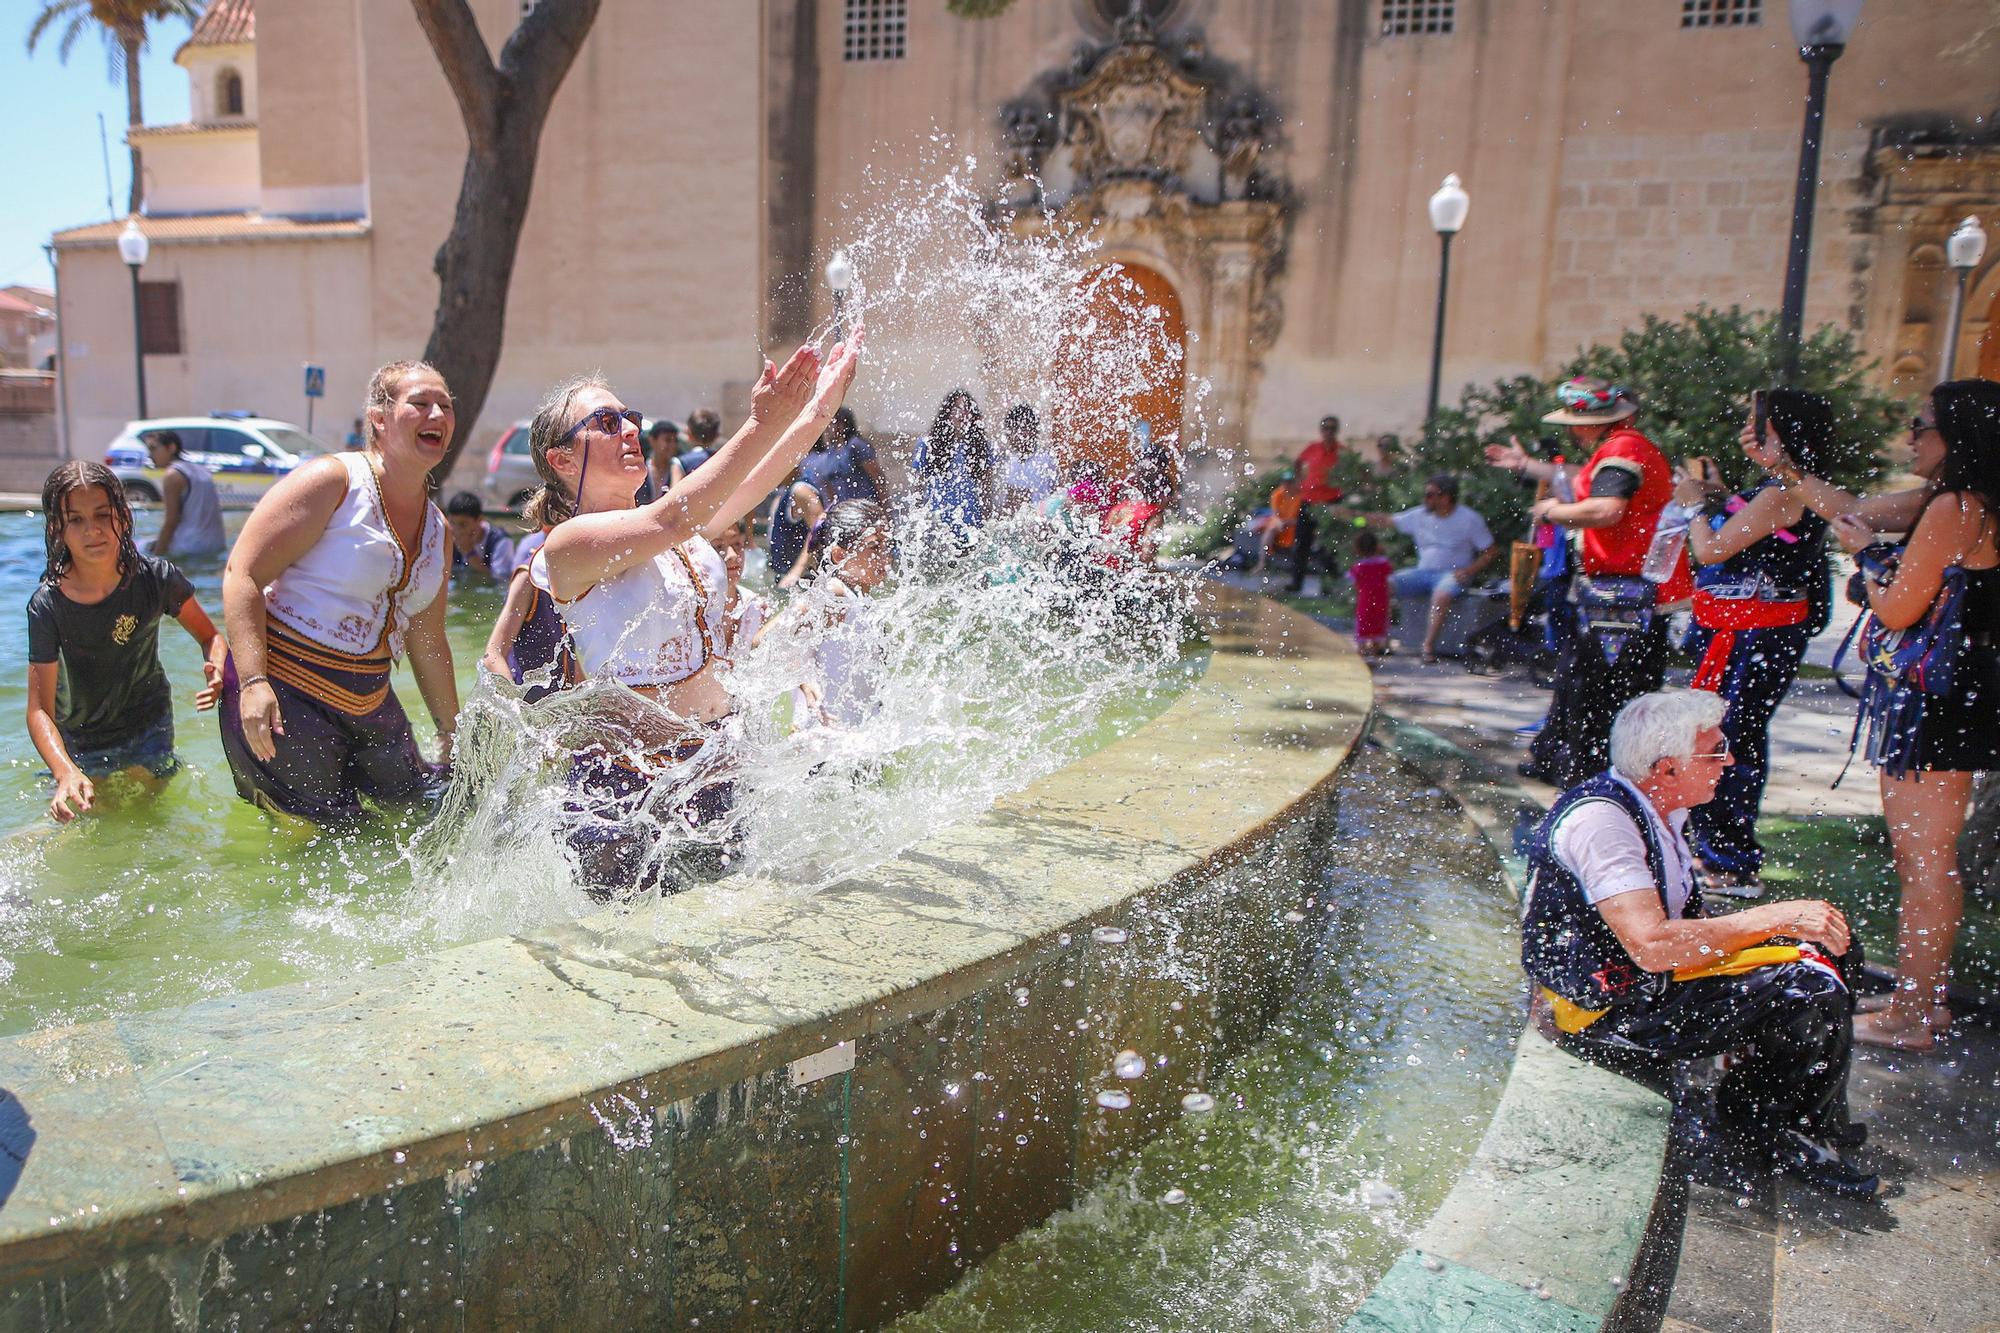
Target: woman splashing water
<point>339,569</point>
<point>643,594</point>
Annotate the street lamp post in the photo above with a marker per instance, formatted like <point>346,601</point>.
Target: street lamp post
<point>1963,251</point>
<point>840,277</point>
<point>1821,28</point>
<point>1448,207</point>
<point>133,248</point>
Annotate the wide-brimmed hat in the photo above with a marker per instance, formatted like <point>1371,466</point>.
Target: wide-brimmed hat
<point>1591,402</point>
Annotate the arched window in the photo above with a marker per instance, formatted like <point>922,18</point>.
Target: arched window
<point>229,93</point>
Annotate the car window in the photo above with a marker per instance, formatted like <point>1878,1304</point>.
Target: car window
<point>222,441</point>
<point>517,443</point>
<point>294,441</point>
<point>194,439</point>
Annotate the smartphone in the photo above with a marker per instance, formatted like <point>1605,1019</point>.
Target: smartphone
<point>1760,413</point>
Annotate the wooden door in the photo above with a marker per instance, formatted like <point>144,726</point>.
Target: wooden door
<point>1121,360</point>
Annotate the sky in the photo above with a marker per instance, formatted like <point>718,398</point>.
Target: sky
<point>51,166</point>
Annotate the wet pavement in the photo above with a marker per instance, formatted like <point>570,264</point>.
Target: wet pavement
<point>1926,1254</point>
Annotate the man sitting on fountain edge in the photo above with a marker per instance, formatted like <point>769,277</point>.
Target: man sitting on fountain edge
<point>1639,981</point>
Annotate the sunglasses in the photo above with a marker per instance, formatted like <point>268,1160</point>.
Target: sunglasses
<point>1918,425</point>
<point>605,419</point>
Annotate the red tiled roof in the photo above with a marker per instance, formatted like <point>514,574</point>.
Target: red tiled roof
<point>211,228</point>
<point>14,305</point>
<point>225,23</point>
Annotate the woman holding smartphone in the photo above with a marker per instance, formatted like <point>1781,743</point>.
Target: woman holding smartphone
<point>1762,590</point>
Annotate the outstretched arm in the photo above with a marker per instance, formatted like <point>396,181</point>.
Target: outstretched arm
<point>777,464</point>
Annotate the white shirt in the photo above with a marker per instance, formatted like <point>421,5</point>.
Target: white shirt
<point>1598,843</point>
<point>1445,541</point>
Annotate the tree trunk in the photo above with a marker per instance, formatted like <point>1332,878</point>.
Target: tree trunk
<point>1979,849</point>
<point>135,116</point>
<point>504,109</point>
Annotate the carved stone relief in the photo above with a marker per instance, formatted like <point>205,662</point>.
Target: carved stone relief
<point>1169,158</point>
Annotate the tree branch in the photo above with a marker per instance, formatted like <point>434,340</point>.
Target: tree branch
<point>461,53</point>
<point>538,54</point>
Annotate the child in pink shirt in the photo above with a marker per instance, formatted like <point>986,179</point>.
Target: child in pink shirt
<point>1370,573</point>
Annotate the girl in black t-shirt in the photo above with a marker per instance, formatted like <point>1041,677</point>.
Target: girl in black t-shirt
<point>98,700</point>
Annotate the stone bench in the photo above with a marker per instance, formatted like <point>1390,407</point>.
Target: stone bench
<point>1471,612</point>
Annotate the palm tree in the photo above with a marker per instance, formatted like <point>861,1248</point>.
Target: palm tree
<point>124,23</point>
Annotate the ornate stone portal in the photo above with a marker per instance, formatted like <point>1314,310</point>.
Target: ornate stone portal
<point>1164,154</point>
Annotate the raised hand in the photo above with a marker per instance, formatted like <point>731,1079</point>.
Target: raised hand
<point>1853,532</point>
<point>837,375</point>
<point>1509,455</point>
<point>1769,455</point>
<point>779,394</point>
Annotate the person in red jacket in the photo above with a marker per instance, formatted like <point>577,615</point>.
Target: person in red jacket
<point>1620,649</point>
<point>1314,478</point>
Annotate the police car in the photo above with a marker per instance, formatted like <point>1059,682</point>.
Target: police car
<point>246,454</point>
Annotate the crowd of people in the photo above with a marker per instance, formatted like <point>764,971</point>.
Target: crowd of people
<point>630,571</point>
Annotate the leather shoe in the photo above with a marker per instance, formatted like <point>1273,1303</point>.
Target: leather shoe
<point>1823,1168</point>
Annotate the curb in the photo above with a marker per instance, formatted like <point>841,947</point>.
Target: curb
<point>1566,1217</point>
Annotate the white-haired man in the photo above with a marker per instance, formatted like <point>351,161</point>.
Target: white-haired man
<point>1640,980</point>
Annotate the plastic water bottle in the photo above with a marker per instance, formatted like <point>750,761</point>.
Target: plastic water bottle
<point>1663,557</point>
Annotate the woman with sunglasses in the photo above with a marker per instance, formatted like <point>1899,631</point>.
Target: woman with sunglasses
<point>1763,589</point>
<point>1927,769</point>
<point>339,570</point>
<point>645,596</point>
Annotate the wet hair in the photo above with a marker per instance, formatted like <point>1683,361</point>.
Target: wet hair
<point>1661,725</point>
<point>1444,483</point>
<point>703,425</point>
<point>166,438</point>
<point>1022,417</point>
<point>1804,423</point>
<point>1968,417</point>
<point>1365,543</point>
<point>465,504</point>
<point>383,386</point>
<point>66,480</point>
<point>843,525</point>
<point>551,503</point>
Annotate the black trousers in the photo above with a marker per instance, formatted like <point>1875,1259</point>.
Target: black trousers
<point>1575,740</point>
<point>1795,1020</point>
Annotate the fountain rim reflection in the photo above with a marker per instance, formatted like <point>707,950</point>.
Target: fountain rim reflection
<point>249,1109</point>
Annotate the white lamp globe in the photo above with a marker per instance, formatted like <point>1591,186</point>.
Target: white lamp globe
<point>1449,204</point>
<point>1824,22</point>
<point>839,272</point>
<point>1967,245</point>
<point>133,247</point>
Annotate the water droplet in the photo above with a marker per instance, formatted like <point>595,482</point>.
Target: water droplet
<point>1295,917</point>
<point>1021,1139</point>
<point>1432,1262</point>
<point>1413,1059</point>
<point>1020,995</point>
<point>400,1156</point>
<point>1114,1099</point>
<point>1129,1064</point>
<point>1174,1195</point>
<point>1110,935</point>
<point>1380,1194</point>
<point>1198,1103</point>
<point>951,1089</point>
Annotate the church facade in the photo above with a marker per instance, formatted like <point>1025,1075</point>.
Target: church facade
<point>1260,169</point>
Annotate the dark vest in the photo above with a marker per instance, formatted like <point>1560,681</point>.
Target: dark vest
<point>1565,943</point>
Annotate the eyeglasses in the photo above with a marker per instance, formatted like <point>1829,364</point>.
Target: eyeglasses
<point>1918,425</point>
<point>605,419</point>
<point>1720,753</point>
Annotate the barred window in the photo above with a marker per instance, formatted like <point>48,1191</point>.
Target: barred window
<point>1401,17</point>
<point>160,318</point>
<point>875,30</point>
<point>1721,13</point>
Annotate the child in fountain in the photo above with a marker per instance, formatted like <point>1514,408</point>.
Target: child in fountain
<point>98,701</point>
<point>747,611</point>
<point>528,644</point>
<point>847,557</point>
